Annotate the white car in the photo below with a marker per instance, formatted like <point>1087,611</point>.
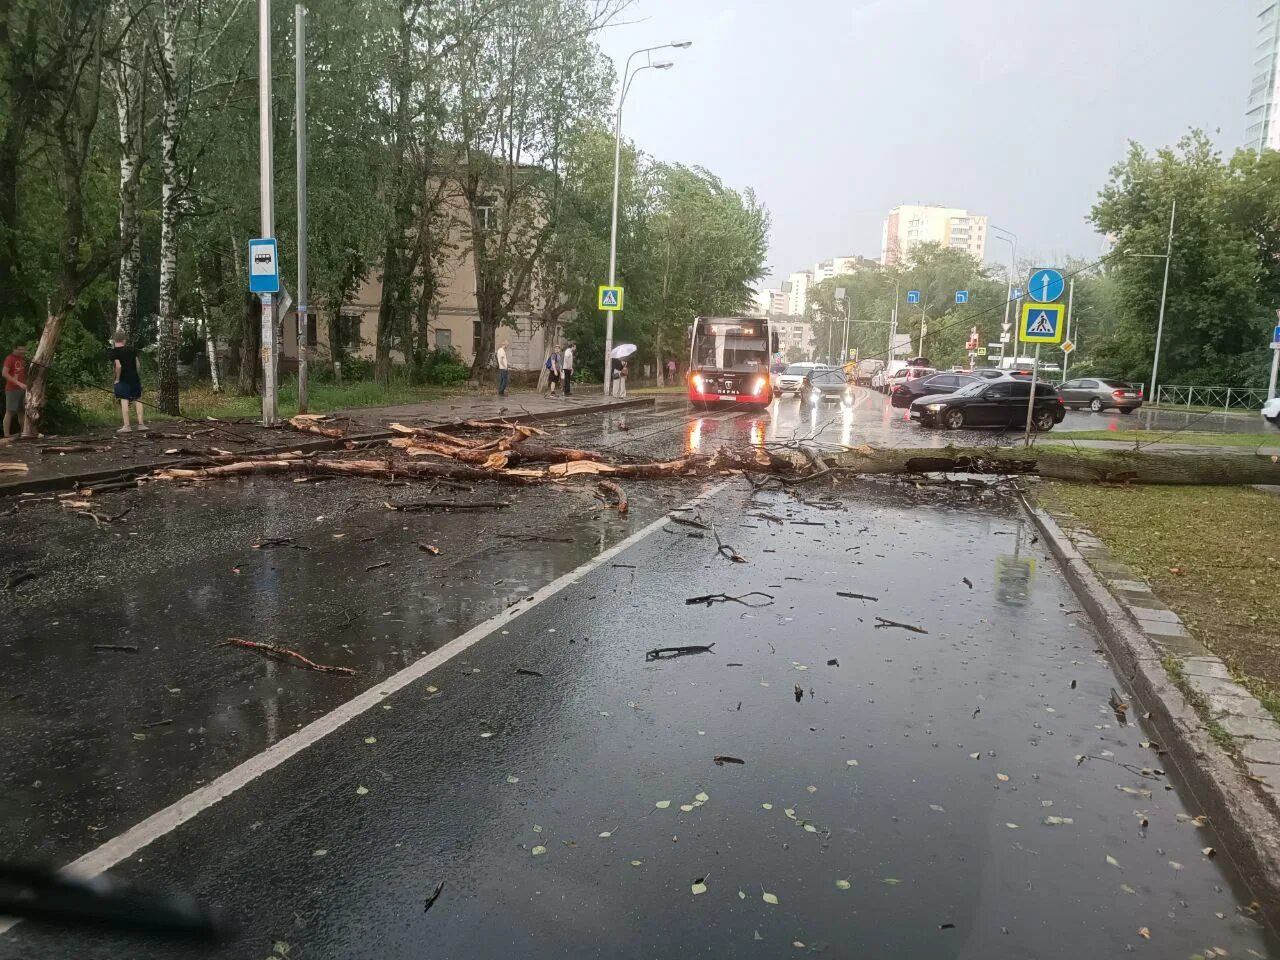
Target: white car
<point>790,379</point>
<point>1271,410</point>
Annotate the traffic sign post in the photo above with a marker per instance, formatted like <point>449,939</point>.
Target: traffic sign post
<point>1041,323</point>
<point>1046,285</point>
<point>610,298</point>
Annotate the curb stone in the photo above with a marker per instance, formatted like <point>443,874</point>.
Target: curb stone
<point>1241,795</point>
<point>69,481</point>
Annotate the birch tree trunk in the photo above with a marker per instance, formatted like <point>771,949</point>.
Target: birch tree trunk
<point>169,195</point>
<point>126,79</point>
<point>210,344</point>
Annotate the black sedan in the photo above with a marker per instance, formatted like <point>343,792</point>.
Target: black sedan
<point>991,403</point>
<point>826,386</point>
<point>939,383</point>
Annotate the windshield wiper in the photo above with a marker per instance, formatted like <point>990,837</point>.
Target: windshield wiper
<point>50,896</point>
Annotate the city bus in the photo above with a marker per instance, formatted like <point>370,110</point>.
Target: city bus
<point>729,360</point>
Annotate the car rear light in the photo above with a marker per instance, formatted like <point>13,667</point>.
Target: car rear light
<point>1059,399</point>
<point>1139,395</point>
<point>1119,393</point>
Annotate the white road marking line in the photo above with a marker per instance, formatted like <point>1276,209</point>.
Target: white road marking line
<point>125,845</point>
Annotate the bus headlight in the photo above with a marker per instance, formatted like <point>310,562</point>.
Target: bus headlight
<point>759,387</point>
<point>697,382</point>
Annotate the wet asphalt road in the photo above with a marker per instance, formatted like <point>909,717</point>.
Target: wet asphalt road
<point>925,834</point>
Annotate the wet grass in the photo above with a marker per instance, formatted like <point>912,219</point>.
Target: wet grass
<point>1212,554</point>
<point>1185,437</point>
<point>198,401</point>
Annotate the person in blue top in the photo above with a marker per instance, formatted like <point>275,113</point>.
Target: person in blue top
<point>554,369</point>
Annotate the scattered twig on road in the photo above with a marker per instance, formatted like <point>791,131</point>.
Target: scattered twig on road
<point>284,653</point>
<point>881,622</point>
<point>808,523</point>
<point>532,538</point>
<point>278,542</point>
<point>435,895</point>
<point>157,723</point>
<point>116,647</point>
<point>670,653</point>
<point>967,582</point>
<point>688,522</point>
<point>856,596</point>
<point>100,518</point>
<point>415,505</point>
<point>74,448</point>
<point>769,517</point>
<point>711,598</point>
<point>19,577</point>
<point>430,548</point>
<point>526,672</point>
<point>720,760</point>
<point>612,494</point>
<point>377,566</point>
<point>725,550</point>
<point>1119,707</point>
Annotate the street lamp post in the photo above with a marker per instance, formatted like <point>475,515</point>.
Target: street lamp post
<point>1010,238</point>
<point>1167,256</point>
<point>627,77</point>
<point>266,202</point>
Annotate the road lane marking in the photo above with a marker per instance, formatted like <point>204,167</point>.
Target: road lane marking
<point>125,845</point>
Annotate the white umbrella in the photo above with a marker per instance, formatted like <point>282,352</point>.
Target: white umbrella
<point>623,350</point>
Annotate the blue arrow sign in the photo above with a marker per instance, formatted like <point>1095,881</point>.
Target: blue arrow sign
<point>1016,293</point>
<point>913,296</point>
<point>1046,285</point>
<point>962,296</point>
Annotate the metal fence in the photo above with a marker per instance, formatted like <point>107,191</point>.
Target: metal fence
<point>1218,398</point>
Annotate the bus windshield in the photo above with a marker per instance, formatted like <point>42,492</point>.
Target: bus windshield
<point>732,349</point>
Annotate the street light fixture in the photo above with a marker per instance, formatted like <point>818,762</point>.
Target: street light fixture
<point>627,76</point>
<point>1010,238</point>
<point>1152,390</point>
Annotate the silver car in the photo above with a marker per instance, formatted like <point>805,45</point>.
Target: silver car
<point>1100,394</point>
<point>790,379</point>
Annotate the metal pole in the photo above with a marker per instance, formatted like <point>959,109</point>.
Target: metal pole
<point>613,233</point>
<point>1164,290</point>
<point>300,100</point>
<point>1275,366</point>
<point>1031,403</point>
<point>266,201</point>
<point>1071,297</point>
<point>844,357</point>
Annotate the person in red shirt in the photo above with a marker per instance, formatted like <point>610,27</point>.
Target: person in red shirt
<point>15,387</point>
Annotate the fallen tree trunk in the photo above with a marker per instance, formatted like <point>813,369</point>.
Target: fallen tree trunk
<point>1060,463</point>
<point>377,469</point>
<point>310,423</point>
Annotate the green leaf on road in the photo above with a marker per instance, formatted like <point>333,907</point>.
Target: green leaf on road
<point>698,888</point>
<point>769,898</point>
<point>361,790</point>
<point>538,851</point>
<point>843,884</point>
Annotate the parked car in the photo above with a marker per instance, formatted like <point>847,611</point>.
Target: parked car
<point>987,373</point>
<point>790,379</point>
<point>1099,394</point>
<point>828,385</point>
<point>1271,411</point>
<point>899,378</point>
<point>991,403</point>
<point>913,389</point>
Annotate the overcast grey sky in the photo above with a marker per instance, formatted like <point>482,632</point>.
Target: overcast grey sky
<point>836,110</point>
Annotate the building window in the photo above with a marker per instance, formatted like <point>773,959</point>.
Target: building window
<point>444,338</point>
<point>349,330</point>
<point>486,212</point>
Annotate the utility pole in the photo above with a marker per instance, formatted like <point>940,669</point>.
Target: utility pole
<point>300,110</point>
<point>1071,296</point>
<point>1164,292</point>
<point>266,201</point>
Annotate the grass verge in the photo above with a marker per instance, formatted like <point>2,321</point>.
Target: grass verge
<point>1178,674</point>
<point>1212,554</point>
<point>197,401</point>
<point>1185,437</point>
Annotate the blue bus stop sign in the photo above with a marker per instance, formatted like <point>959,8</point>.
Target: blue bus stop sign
<point>264,267</point>
<point>962,296</point>
<point>913,296</point>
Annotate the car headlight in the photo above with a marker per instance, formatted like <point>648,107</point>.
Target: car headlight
<point>935,407</point>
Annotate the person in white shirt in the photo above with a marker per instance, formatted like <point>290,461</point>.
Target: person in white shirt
<point>567,364</point>
<point>503,372</point>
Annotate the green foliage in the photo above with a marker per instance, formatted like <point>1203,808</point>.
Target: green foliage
<point>1224,282</point>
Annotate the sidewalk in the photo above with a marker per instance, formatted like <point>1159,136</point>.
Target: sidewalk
<point>62,463</point>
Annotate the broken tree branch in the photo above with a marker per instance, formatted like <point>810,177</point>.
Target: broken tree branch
<point>284,653</point>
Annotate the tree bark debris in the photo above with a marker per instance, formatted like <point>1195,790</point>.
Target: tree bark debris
<point>284,653</point>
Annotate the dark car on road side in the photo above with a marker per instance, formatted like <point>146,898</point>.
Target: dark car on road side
<point>986,373</point>
<point>827,385</point>
<point>1100,394</point>
<point>991,403</point>
<point>910,390</point>
<point>895,381</point>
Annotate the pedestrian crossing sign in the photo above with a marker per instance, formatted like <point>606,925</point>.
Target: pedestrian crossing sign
<point>610,298</point>
<point>1041,323</point>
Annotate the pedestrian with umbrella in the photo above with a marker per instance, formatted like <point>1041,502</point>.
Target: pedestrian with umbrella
<point>618,364</point>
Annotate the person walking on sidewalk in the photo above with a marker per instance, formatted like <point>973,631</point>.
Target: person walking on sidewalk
<point>15,387</point>
<point>504,373</point>
<point>567,363</point>
<point>554,368</point>
<point>619,377</point>
<point>128,384</point>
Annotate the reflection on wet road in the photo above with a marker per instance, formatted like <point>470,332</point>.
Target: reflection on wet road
<point>917,759</point>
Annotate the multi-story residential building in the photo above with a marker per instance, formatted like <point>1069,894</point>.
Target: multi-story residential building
<point>778,301</point>
<point>795,333</point>
<point>838,266</point>
<point>909,225</point>
<point>798,293</point>
<point>1262,126</point>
